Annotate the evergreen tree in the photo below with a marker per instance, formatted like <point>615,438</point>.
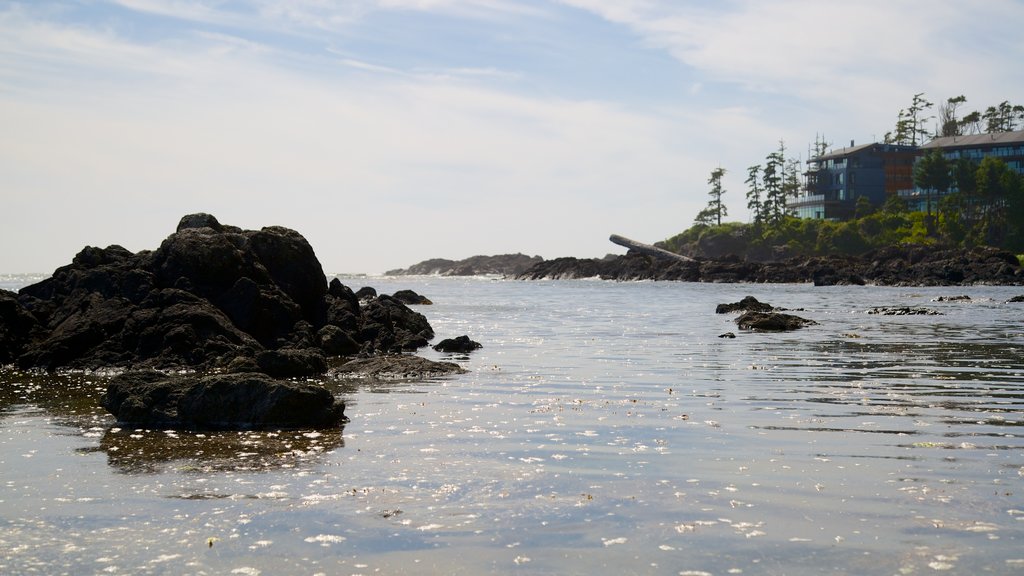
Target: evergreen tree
<point>754,194</point>
<point>715,205</point>
<point>932,174</point>
<point>771,181</point>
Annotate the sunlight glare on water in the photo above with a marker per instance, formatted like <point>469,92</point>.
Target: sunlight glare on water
<point>603,428</point>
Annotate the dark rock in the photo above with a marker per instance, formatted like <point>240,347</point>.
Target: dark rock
<point>16,327</point>
<point>411,298</point>
<point>961,298</point>
<point>366,293</point>
<point>390,326</point>
<point>293,267</point>
<point>1016,299</point>
<point>336,342</point>
<point>460,344</point>
<point>747,304</point>
<point>771,322</point>
<point>891,266</point>
<point>211,296</point>
<point>398,367</point>
<point>289,363</point>
<point>903,311</point>
<point>199,220</point>
<point>727,335</point>
<point>219,402</point>
<point>504,265</point>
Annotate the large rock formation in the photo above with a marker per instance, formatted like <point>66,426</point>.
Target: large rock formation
<point>211,296</point>
<point>241,307</point>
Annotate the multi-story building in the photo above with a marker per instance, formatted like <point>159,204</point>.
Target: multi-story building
<point>1007,146</point>
<point>835,181</point>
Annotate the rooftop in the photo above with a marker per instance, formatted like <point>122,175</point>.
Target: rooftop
<point>972,140</point>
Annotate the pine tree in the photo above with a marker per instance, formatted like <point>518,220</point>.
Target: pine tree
<point>754,193</point>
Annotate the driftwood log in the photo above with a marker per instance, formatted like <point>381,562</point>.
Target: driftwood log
<point>648,250</point>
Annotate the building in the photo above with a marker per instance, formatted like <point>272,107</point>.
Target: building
<point>835,181</point>
<point>1007,146</point>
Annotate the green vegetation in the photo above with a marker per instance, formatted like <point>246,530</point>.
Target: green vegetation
<point>986,206</point>
<point>987,209</point>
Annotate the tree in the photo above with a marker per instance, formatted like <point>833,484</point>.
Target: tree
<point>791,180</point>
<point>716,208</point>
<point>1002,118</point>
<point>971,123</point>
<point>754,194</point>
<point>949,124</point>
<point>996,182</point>
<point>774,207</point>
<point>917,119</point>
<point>932,174</point>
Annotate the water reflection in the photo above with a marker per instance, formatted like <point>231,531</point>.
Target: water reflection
<point>154,451</point>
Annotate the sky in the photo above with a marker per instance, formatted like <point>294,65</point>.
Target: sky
<point>388,132</point>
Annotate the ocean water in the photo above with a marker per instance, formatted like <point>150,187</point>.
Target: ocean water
<point>604,428</point>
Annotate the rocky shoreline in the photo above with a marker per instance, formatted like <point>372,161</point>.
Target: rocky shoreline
<point>500,265</point>
<point>893,266</point>
<point>241,311</point>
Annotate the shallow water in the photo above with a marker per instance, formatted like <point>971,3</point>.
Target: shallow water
<point>603,428</point>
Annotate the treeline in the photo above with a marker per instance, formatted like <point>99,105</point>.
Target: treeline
<point>987,208</point>
<point>968,203</point>
<point>912,121</point>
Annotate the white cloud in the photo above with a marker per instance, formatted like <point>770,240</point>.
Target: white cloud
<point>378,171</point>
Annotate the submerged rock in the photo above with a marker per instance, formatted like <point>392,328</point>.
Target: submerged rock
<point>398,367</point>
<point>220,402</point>
<point>411,298</point>
<point>747,304</point>
<point>772,322</point>
<point>903,311</point>
<point>459,344</point>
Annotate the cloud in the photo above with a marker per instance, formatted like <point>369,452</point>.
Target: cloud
<point>378,170</point>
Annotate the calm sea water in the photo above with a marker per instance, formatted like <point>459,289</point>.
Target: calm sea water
<point>604,428</point>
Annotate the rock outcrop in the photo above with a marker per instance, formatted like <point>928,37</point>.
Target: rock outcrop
<point>461,344</point>
<point>397,367</point>
<point>501,265</point>
<point>211,296</point>
<point>893,266</point>
<point>240,309</point>
<point>219,402</point>
<point>771,322</point>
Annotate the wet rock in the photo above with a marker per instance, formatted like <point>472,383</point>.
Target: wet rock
<point>16,325</point>
<point>891,266</point>
<point>411,298</point>
<point>219,402</point>
<point>392,327</point>
<point>290,363</point>
<point>366,292</point>
<point>1016,299</point>
<point>208,297</point>
<point>727,335</point>
<point>460,344</point>
<point>771,322</point>
<point>398,366</point>
<point>961,298</point>
<point>903,311</point>
<point>747,304</point>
